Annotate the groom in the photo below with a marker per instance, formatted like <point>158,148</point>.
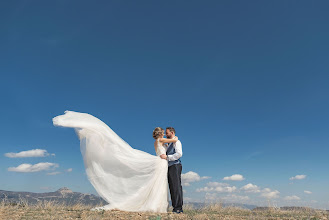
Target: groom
<point>174,153</point>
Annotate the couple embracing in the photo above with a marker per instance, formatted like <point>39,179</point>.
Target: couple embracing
<point>170,149</point>
<point>127,178</point>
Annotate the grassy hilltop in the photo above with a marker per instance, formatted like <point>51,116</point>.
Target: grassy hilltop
<point>55,210</point>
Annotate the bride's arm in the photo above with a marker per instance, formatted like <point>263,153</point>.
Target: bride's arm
<point>167,140</point>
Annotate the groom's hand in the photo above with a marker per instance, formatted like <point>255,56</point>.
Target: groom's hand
<point>163,156</point>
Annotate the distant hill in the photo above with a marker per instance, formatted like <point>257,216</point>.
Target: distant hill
<point>66,196</point>
<point>63,195</point>
<point>198,205</point>
<point>285,208</point>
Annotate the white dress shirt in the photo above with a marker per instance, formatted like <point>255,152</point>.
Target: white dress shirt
<point>178,150</point>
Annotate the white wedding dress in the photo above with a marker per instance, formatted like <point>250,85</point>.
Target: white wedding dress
<point>128,179</point>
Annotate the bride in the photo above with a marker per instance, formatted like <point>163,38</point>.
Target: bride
<point>127,178</point>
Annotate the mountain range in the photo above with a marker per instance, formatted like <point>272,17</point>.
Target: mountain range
<point>63,195</point>
<point>68,197</point>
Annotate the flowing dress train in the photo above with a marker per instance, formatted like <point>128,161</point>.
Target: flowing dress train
<point>127,178</point>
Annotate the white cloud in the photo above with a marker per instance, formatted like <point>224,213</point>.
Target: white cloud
<point>69,170</point>
<point>217,187</point>
<point>250,188</point>
<point>307,192</point>
<point>205,177</point>
<point>290,198</point>
<point>227,198</point>
<point>29,168</point>
<point>28,153</point>
<point>225,189</point>
<point>211,186</point>
<point>215,184</point>
<point>204,189</point>
<point>53,173</point>
<point>190,177</point>
<point>270,194</point>
<point>52,154</point>
<point>235,177</point>
<point>298,177</point>
<point>211,196</point>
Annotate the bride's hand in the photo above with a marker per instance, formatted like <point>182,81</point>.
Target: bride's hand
<point>175,138</point>
<point>163,156</point>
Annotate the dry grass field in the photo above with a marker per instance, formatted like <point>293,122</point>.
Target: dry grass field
<point>51,210</point>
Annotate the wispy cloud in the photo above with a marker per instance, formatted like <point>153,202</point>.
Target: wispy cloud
<point>227,189</point>
<point>69,170</point>
<point>307,192</point>
<point>29,168</point>
<point>205,177</point>
<point>211,196</point>
<point>290,198</point>
<point>235,177</point>
<point>235,198</point>
<point>298,177</point>
<point>215,184</point>
<point>53,173</point>
<point>253,154</point>
<point>29,153</point>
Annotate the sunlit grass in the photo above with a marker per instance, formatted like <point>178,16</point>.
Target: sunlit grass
<point>55,210</point>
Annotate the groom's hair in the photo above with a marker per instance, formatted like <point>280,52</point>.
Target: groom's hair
<point>171,129</point>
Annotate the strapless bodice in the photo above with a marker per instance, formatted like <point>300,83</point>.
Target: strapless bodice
<point>160,149</point>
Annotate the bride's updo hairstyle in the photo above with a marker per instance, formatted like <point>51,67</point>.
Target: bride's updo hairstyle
<point>157,132</point>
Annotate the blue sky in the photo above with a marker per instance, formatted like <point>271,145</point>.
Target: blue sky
<point>245,84</point>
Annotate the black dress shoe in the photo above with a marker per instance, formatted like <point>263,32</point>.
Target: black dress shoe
<point>177,211</point>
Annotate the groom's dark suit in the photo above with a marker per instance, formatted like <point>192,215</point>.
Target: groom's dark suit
<point>174,177</point>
